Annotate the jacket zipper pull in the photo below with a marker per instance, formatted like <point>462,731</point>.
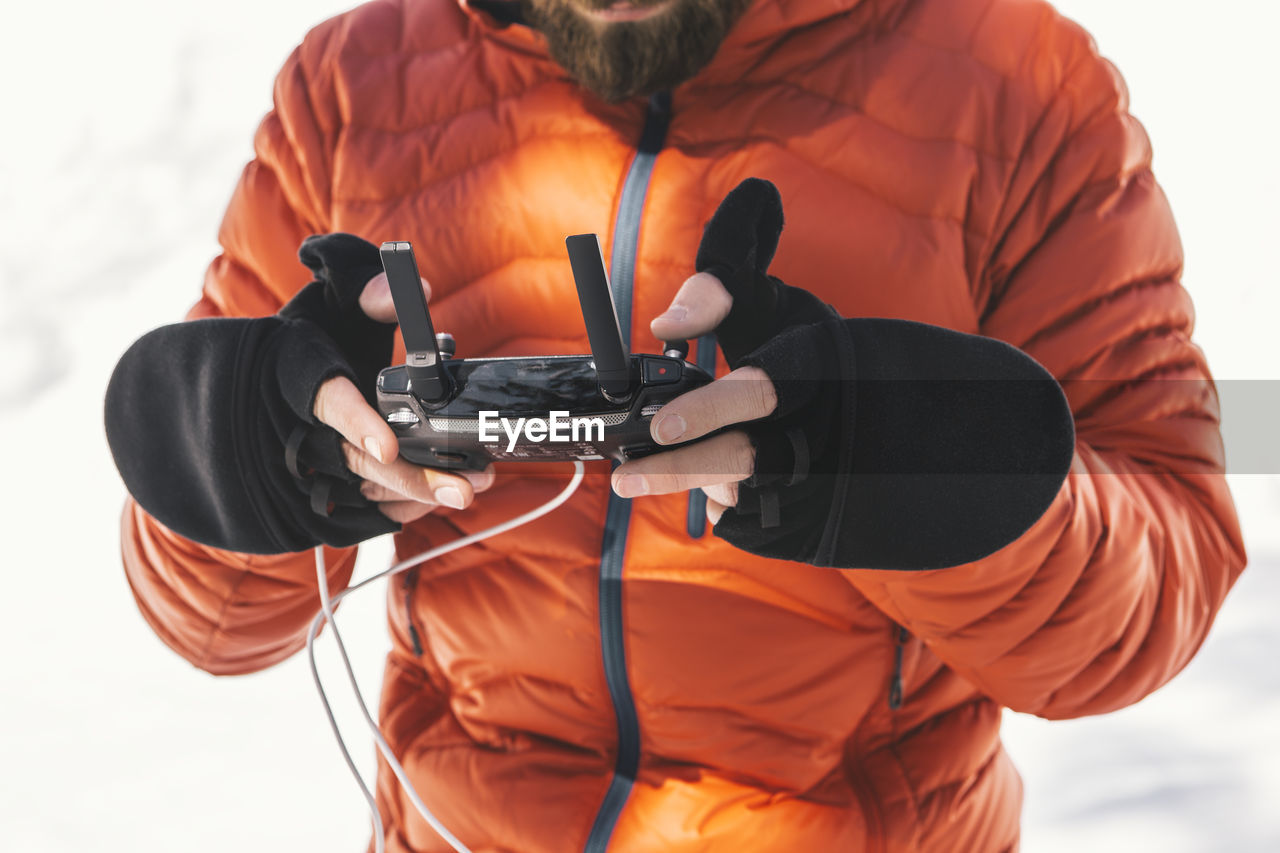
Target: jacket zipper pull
<point>895,683</point>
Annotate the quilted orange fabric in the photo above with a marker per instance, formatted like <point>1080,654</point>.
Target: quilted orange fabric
<point>967,163</point>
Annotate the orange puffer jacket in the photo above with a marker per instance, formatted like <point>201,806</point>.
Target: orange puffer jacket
<point>605,679</point>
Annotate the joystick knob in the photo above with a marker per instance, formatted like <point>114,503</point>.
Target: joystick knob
<point>448,346</point>
<point>675,349</point>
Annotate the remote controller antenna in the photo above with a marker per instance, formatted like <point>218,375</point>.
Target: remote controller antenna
<point>427,378</point>
<point>613,365</point>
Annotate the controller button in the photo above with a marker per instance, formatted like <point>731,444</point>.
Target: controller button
<point>402,417</point>
<point>661,371</point>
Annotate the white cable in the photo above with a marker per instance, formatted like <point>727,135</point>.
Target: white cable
<point>326,614</point>
<point>374,815</point>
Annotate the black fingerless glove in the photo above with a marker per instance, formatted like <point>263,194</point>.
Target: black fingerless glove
<point>210,421</point>
<point>894,444</point>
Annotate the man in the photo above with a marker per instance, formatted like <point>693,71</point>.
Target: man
<point>609,677</point>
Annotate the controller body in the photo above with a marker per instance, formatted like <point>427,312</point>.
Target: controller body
<point>466,413</point>
<point>532,409</point>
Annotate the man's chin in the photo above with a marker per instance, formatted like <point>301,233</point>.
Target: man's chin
<point>633,48</point>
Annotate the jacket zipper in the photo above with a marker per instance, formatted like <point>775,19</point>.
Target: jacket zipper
<point>696,518</point>
<point>622,267</point>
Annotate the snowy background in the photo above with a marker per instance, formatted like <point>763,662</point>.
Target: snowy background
<point>125,127</point>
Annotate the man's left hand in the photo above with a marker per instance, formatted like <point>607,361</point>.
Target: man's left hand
<point>718,464</point>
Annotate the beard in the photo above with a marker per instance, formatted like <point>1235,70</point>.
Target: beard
<point>619,59</point>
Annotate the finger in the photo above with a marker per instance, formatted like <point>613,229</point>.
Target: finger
<point>428,485</point>
<point>722,459</point>
<point>376,301</point>
<point>743,395</point>
<point>725,494</point>
<point>378,493</point>
<point>480,480</point>
<point>714,511</point>
<point>403,512</point>
<point>699,306</point>
<point>340,405</point>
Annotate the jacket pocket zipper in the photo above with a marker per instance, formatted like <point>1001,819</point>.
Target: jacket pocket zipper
<point>901,638</point>
<point>410,584</point>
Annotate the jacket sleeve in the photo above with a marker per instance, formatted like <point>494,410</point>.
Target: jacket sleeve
<point>227,612</point>
<point>1112,591</point>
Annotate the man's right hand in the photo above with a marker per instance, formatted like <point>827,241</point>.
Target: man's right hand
<point>403,491</point>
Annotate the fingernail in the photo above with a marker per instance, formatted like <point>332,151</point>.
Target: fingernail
<point>374,449</point>
<point>631,485</point>
<point>675,313</point>
<point>449,496</point>
<point>669,428</point>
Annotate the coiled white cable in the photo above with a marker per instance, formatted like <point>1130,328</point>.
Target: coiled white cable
<point>326,615</point>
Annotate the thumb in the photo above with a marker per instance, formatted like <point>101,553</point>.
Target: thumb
<point>376,301</point>
<point>699,307</point>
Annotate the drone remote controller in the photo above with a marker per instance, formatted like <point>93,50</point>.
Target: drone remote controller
<point>466,413</point>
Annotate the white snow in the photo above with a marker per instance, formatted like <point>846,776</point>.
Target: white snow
<point>125,126</point>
